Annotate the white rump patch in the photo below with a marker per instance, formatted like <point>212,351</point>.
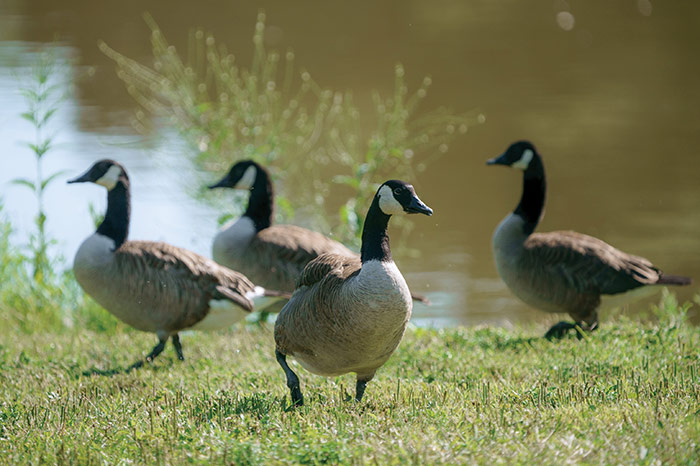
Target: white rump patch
<point>109,179</point>
<point>387,201</point>
<point>260,301</point>
<point>248,178</point>
<point>613,301</point>
<point>256,293</point>
<point>525,160</point>
<point>222,314</point>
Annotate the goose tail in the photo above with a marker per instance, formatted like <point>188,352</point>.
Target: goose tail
<point>420,298</point>
<point>276,294</point>
<point>674,280</point>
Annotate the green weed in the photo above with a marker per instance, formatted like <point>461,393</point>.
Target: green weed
<point>273,113</point>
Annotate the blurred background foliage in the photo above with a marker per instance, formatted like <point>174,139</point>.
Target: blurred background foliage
<point>273,112</point>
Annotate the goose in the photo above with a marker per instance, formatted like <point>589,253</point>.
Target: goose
<point>271,255</point>
<point>348,314</point>
<point>564,271</point>
<point>154,286</point>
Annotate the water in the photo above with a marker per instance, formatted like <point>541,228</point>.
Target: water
<point>608,93</point>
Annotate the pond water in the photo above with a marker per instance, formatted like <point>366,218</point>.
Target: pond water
<point>608,91</point>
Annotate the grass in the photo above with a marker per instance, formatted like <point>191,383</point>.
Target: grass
<point>630,393</point>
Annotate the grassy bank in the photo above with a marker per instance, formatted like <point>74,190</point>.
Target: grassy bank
<point>628,394</point>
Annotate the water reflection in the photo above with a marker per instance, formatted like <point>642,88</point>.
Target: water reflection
<point>612,103</point>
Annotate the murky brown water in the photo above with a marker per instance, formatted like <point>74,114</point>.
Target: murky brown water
<point>613,104</point>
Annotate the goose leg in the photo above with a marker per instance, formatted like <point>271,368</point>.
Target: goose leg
<point>292,380</point>
<point>360,389</point>
<point>558,330</point>
<point>178,347</point>
<point>152,355</point>
<point>562,328</point>
<point>361,385</point>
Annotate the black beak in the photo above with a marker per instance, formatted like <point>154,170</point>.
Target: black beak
<point>85,177</point>
<point>500,160</point>
<point>416,206</point>
<point>223,183</point>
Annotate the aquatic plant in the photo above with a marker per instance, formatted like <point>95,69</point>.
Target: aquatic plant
<point>42,96</point>
<point>37,293</point>
<point>273,113</point>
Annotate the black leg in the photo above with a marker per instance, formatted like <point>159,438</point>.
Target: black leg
<point>292,380</point>
<point>559,330</point>
<point>178,346</point>
<point>360,389</point>
<point>154,353</point>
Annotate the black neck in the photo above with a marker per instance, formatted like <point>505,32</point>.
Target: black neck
<point>260,204</point>
<point>116,222</point>
<point>531,206</point>
<point>375,240</point>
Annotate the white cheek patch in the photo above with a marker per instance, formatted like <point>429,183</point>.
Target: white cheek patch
<point>248,178</point>
<point>109,179</point>
<point>388,203</point>
<point>525,160</point>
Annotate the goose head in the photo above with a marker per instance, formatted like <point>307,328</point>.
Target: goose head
<point>397,197</point>
<point>104,172</point>
<point>518,155</point>
<point>241,176</point>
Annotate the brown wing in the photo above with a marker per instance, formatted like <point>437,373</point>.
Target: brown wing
<point>329,267</point>
<point>290,243</point>
<point>277,255</point>
<point>194,278</point>
<point>311,313</point>
<point>585,263</point>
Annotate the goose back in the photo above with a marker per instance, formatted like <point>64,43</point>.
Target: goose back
<point>155,286</point>
<point>276,256</point>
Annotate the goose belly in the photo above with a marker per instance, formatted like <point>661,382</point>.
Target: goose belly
<point>139,311</point>
<point>365,326</point>
<point>222,314</point>
<point>613,301</point>
<point>534,291</point>
<point>143,298</point>
<point>339,357</point>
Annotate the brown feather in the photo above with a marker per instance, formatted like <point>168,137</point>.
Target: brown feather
<point>277,255</point>
<point>588,264</point>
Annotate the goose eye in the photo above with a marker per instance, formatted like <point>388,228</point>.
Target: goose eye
<point>397,191</point>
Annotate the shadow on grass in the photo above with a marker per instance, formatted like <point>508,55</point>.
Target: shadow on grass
<point>141,364</point>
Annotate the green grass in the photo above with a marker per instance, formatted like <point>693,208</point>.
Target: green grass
<point>630,393</point>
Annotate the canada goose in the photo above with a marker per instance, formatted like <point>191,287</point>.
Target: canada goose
<point>271,255</point>
<point>348,314</point>
<point>154,286</point>
<point>564,271</point>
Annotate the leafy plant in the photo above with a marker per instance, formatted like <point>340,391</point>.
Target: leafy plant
<point>42,96</point>
<point>37,293</point>
<point>53,303</point>
<point>277,115</point>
